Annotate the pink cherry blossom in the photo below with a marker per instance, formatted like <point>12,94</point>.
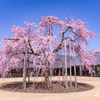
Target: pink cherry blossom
<point>37,44</point>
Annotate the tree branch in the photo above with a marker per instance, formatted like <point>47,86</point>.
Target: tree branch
<point>59,47</point>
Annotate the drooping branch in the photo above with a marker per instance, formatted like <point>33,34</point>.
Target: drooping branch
<point>79,35</point>
<point>81,46</point>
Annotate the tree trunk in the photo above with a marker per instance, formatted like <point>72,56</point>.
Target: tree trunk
<point>47,77</point>
<point>74,66</point>
<point>24,70</point>
<point>50,64</point>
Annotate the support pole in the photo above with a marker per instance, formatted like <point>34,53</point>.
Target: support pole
<point>80,70</point>
<point>24,70</point>
<point>94,71</point>
<point>74,66</point>
<point>28,72</point>
<point>28,62</point>
<point>70,59</point>
<point>66,66</point>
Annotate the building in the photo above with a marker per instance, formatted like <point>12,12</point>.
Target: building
<point>59,66</point>
<point>78,64</point>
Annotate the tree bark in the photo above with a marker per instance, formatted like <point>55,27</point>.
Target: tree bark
<point>47,76</point>
<point>50,64</point>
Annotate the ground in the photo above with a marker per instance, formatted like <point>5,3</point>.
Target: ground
<point>93,94</point>
<point>39,87</point>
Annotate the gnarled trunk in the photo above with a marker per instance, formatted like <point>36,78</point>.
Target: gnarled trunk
<point>47,76</point>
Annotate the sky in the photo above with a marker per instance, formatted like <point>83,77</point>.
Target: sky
<point>16,12</point>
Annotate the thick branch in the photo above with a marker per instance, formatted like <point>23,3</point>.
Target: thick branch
<point>37,54</point>
<point>59,47</point>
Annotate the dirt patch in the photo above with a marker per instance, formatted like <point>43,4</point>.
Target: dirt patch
<point>39,87</point>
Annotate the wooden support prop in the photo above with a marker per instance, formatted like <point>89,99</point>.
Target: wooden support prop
<point>74,65</point>
<point>70,59</point>
<point>66,66</point>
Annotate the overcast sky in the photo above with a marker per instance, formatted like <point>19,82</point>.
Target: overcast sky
<point>15,12</point>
